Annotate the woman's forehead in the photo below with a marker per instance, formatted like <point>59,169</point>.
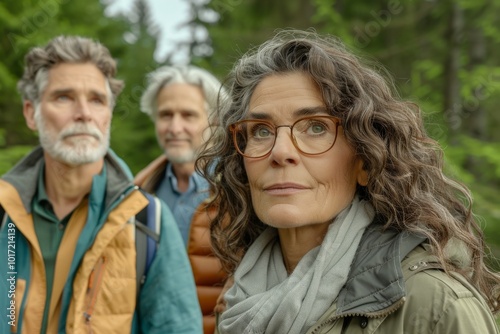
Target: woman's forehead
<point>289,95</point>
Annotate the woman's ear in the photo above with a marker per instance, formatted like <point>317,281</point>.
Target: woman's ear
<point>362,173</point>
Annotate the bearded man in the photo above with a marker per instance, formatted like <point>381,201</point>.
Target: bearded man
<point>68,210</point>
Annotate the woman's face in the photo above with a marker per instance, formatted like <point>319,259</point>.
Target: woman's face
<point>290,189</point>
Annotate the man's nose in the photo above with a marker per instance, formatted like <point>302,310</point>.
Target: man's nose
<point>83,110</point>
<point>176,124</point>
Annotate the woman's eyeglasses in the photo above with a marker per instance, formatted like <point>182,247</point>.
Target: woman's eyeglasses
<point>311,135</point>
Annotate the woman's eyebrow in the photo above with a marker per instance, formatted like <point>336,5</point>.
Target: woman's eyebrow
<point>259,115</point>
<point>311,111</point>
<point>307,111</point>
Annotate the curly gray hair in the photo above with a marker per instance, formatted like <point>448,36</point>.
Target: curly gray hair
<point>406,184</point>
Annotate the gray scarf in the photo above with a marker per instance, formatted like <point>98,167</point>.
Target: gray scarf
<point>264,299</point>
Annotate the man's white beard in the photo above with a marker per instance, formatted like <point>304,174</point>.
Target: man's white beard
<point>185,157</point>
<point>81,151</point>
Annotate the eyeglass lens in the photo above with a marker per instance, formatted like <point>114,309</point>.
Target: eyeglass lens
<point>311,135</point>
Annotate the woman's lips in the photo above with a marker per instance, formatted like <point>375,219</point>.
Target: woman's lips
<point>284,188</point>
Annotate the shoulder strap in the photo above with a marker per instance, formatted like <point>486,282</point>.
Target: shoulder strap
<point>147,236</point>
<point>3,217</point>
<point>140,248</point>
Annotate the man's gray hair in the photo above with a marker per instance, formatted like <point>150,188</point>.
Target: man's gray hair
<point>65,49</point>
<point>184,74</point>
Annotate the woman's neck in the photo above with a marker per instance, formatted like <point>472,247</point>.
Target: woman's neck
<point>297,242</point>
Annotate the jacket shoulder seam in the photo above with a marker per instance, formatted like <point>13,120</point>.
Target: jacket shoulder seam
<point>459,290</point>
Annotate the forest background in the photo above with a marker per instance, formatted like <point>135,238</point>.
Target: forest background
<point>442,54</point>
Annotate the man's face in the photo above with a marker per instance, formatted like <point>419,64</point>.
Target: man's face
<point>74,114</point>
<point>181,119</point>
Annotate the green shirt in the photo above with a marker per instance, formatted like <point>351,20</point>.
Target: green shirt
<point>49,231</point>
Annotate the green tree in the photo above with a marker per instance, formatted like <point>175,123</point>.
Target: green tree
<point>234,26</point>
<point>133,136</point>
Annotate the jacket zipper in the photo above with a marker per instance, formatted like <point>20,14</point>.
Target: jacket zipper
<point>95,281</point>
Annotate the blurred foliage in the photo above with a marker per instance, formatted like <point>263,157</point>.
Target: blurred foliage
<point>441,54</point>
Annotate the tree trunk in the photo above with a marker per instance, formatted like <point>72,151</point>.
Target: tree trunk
<point>452,100</point>
<point>475,115</point>
<point>474,112</point>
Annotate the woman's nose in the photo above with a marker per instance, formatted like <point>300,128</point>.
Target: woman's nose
<point>284,150</point>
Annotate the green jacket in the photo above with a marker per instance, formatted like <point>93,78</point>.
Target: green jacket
<point>397,286</point>
<point>94,288</point>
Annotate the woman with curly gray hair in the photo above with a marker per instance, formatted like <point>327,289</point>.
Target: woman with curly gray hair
<point>334,212</point>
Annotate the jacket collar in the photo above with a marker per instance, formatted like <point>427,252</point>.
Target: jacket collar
<point>24,176</point>
<point>149,177</point>
<point>378,261</point>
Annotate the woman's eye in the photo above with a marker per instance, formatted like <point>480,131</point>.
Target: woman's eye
<point>317,128</point>
<point>261,131</point>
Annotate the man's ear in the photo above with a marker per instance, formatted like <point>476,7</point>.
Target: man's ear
<point>29,114</point>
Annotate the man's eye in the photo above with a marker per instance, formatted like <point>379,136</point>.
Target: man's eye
<point>97,100</point>
<point>62,98</point>
<point>189,115</point>
<point>164,115</point>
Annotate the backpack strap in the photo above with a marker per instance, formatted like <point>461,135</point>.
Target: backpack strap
<point>3,217</point>
<point>153,223</point>
<point>147,237</point>
<point>141,249</point>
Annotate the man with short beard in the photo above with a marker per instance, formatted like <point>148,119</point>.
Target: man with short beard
<point>180,101</point>
<point>69,207</point>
